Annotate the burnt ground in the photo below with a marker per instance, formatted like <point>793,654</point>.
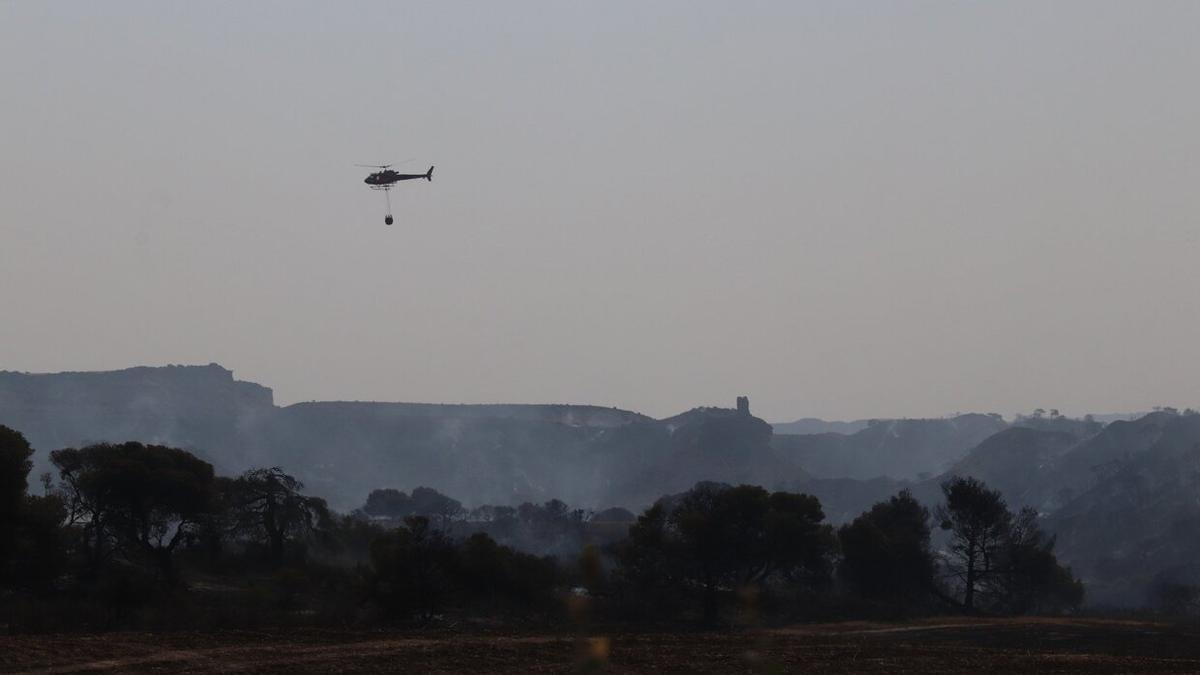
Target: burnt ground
<point>947,645</point>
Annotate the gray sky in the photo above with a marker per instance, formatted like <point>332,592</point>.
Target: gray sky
<point>840,209</point>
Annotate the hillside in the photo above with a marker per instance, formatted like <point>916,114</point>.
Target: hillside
<point>500,455</point>
<point>814,425</point>
<point>201,408</point>
<point>586,455</point>
<point>713,444</point>
<point>901,449</point>
<point>1018,462</point>
<point>1135,521</point>
<point>1121,500</point>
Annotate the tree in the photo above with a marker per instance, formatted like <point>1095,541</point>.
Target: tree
<point>502,520</point>
<point>143,500</point>
<point>648,573</point>
<point>14,471</point>
<point>268,505</point>
<point>800,546</point>
<point>1034,580</point>
<point>434,505</point>
<point>706,537</point>
<point>494,575</point>
<point>39,547</point>
<point>1002,561</point>
<point>31,546</point>
<point>978,520</point>
<point>219,525</point>
<point>388,502</point>
<point>413,567</point>
<point>552,526</point>
<point>885,551</point>
<point>715,537</point>
<point>614,514</point>
<point>424,501</point>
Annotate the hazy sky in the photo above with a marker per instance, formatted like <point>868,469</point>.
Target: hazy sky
<point>841,209</point>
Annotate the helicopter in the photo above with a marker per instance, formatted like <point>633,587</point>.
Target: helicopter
<point>385,179</point>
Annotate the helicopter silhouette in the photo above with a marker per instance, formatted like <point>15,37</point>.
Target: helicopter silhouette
<point>385,179</point>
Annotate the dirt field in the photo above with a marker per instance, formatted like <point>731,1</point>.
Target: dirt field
<point>934,646</point>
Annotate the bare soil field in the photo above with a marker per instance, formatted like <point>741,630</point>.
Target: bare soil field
<point>955,645</point>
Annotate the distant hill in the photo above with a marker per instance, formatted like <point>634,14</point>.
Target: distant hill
<point>1122,499</point>
<point>1051,462</point>
<point>714,444</point>
<point>844,499</point>
<point>1017,462</point>
<point>201,408</point>
<point>901,449</point>
<point>1135,515</point>
<point>586,455</point>
<point>813,425</point>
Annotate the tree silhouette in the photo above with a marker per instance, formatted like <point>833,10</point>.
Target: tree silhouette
<point>649,571</point>
<point>1004,559</point>
<point>413,567</point>
<point>978,520</point>
<point>1035,581</point>
<point>715,537</point>
<point>32,551</point>
<point>268,505</point>
<point>434,505</point>
<point>141,499</point>
<point>885,551</point>
<point>14,470</point>
<point>496,576</point>
<point>388,502</point>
